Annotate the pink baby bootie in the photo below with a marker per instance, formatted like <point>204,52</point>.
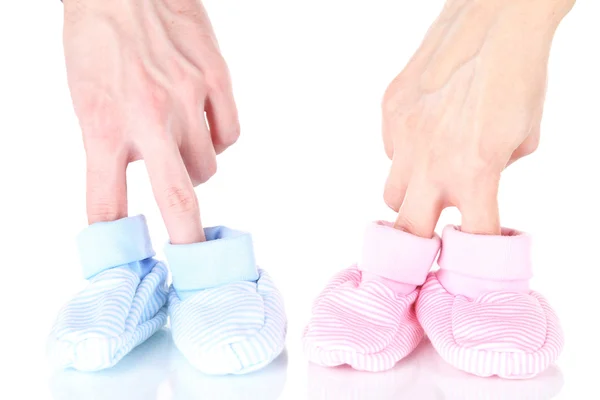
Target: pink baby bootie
<point>479,312</point>
<point>366,317</point>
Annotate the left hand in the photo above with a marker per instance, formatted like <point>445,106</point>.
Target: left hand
<point>467,105</point>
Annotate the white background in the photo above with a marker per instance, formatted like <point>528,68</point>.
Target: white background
<point>305,178</point>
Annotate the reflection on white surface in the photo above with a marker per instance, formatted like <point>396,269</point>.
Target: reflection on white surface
<point>135,377</point>
<point>156,370</point>
<point>425,376</point>
<point>346,383</point>
<point>186,382</point>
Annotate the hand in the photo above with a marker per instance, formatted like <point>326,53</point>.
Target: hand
<point>467,105</point>
<point>142,76</point>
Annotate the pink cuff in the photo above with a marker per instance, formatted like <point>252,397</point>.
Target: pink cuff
<point>490,257</point>
<point>397,255</point>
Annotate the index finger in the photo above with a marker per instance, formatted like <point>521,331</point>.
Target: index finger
<point>174,192</point>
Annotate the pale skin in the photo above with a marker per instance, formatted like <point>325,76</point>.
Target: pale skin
<point>468,104</point>
<point>143,75</point>
<point>148,82</point>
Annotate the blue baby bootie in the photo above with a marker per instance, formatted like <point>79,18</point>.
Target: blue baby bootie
<point>227,316</point>
<point>123,304</point>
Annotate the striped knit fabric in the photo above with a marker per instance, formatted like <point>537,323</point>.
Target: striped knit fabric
<point>186,382</point>
<point>365,317</point>
<point>104,322</point>
<point>365,325</point>
<point>448,382</point>
<point>232,329</point>
<point>511,332</point>
<point>511,335</point>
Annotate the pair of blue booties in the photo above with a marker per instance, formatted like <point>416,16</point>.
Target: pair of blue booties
<point>226,315</point>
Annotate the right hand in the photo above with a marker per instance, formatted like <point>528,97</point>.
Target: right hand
<point>142,75</point>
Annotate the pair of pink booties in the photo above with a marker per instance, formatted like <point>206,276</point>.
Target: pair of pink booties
<point>477,309</point>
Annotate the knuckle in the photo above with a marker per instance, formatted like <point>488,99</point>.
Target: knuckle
<point>389,150</point>
<point>96,113</point>
<point>475,175</point>
<point>231,135</point>
<point>208,171</point>
<point>394,96</point>
<point>459,160</point>
<point>191,85</point>
<point>461,172</point>
<point>145,94</point>
<point>414,120</point>
<point>530,146</point>
<point>390,197</point>
<point>101,142</point>
<point>154,101</point>
<point>406,223</point>
<point>180,200</point>
<point>217,79</point>
<point>147,104</point>
<point>103,212</point>
<point>389,104</point>
<point>88,105</point>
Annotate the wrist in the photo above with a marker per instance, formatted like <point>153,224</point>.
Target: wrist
<point>534,20</point>
<point>542,12</point>
<point>550,11</point>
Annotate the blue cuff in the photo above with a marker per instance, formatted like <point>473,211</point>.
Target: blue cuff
<point>105,245</point>
<point>226,256</point>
